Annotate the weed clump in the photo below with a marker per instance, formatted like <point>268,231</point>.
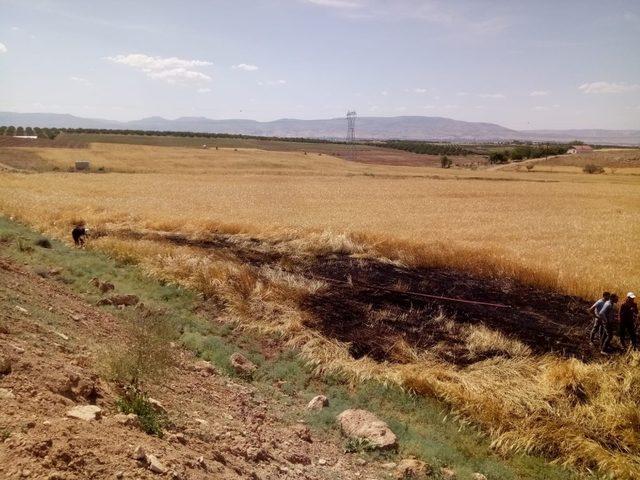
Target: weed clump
<point>152,421</point>
<point>592,168</point>
<point>43,242</point>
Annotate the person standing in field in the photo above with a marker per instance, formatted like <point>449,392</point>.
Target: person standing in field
<point>596,330</point>
<point>607,315</point>
<point>628,314</point>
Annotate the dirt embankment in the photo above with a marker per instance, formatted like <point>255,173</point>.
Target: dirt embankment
<point>221,428</point>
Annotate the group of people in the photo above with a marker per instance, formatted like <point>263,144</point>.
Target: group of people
<point>605,314</point>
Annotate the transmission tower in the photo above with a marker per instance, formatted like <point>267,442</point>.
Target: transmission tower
<point>351,133</point>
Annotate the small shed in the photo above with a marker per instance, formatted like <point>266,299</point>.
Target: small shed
<point>82,165</point>
<point>580,149</point>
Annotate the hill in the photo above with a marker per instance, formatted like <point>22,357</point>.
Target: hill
<point>374,128</point>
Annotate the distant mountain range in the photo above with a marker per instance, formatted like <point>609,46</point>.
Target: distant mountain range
<point>370,128</point>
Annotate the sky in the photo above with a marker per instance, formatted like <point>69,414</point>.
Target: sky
<point>522,64</point>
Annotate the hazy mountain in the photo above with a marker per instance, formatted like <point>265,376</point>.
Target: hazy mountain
<point>405,127</point>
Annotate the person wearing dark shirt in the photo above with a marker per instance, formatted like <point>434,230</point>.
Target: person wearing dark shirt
<point>79,233</point>
<point>628,314</point>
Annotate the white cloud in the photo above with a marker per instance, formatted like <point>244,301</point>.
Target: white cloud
<point>273,83</point>
<point>609,87</point>
<point>246,67</point>
<point>336,3</point>
<point>80,80</point>
<point>420,90</point>
<point>429,107</point>
<point>3,48</point>
<point>204,90</point>
<point>384,93</point>
<point>496,96</point>
<point>539,93</point>
<point>172,70</point>
<point>462,94</point>
<point>15,29</point>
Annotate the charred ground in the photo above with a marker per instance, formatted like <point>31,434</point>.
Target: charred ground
<point>378,306</point>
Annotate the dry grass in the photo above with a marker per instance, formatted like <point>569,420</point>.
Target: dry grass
<point>576,233</point>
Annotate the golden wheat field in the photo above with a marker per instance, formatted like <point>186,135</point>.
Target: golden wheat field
<point>567,232</point>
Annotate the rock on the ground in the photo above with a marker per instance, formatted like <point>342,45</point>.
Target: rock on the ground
<point>318,403</point>
<point>85,412</point>
<point>364,425</point>
<point>123,300</point>
<point>22,310</point>
<point>302,432</point>
<point>155,465</point>
<point>5,366</point>
<point>139,453</point>
<point>298,458</point>
<point>448,473</point>
<point>6,394</point>
<point>242,364</point>
<point>412,468</point>
<point>156,405</point>
<point>204,367</point>
<point>128,420</point>
<point>478,476</point>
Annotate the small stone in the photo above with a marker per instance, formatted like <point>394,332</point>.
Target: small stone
<point>139,453</point>
<point>362,424</point>
<point>129,420</point>
<point>322,461</point>
<point>154,464</point>
<point>412,468</point>
<point>5,366</point>
<point>85,412</point>
<point>6,394</point>
<point>21,310</point>
<point>448,473</point>
<point>62,335</point>
<point>177,438</point>
<point>302,432</point>
<point>119,475</point>
<point>361,461</point>
<point>318,403</point>
<point>204,367</point>
<point>478,476</point>
<point>78,317</point>
<point>389,465</point>
<point>298,458</point>
<point>202,422</point>
<point>157,406</point>
<point>242,364</point>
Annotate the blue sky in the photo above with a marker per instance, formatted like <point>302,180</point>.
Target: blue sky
<point>523,64</point>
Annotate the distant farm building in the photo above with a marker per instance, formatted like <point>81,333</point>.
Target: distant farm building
<point>30,137</point>
<point>82,165</point>
<point>580,149</point>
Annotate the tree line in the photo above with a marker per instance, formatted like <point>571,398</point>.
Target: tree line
<point>425,148</point>
<point>12,131</point>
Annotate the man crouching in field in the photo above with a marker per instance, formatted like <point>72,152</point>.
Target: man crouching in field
<point>79,234</point>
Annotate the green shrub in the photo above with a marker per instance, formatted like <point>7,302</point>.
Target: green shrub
<point>144,356</point>
<point>151,420</point>
<point>43,242</point>
<point>592,168</point>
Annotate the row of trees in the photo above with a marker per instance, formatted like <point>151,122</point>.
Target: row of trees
<point>523,152</point>
<point>11,131</point>
<point>173,133</point>
<point>426,148</point>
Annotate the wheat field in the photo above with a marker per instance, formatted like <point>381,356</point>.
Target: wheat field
<point>571,232</point>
